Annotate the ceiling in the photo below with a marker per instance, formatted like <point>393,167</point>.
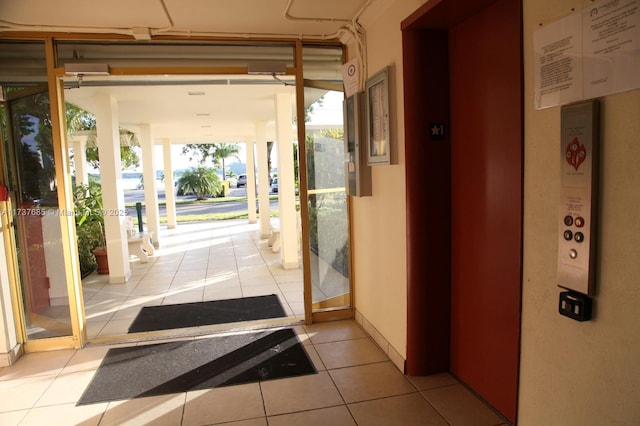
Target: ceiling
<point>209,110</point>
<point>142,18</point>
<point>226,108</point>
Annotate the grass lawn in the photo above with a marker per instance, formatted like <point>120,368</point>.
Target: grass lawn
<point>209,216</point>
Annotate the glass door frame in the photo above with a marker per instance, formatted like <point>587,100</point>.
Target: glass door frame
<point>55,86</point>
<point>77,338</point>
<point>310,316</point>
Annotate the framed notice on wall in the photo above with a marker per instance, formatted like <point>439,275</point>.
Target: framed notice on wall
<point>377,101</point>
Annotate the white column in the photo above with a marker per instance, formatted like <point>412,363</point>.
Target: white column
<point>112,188</point>
<point>150,187</point>
<point>80,159</point>
<point>251,177</point>
<point>286,182</point>
<point>263,176</point>
<point>169,186</point>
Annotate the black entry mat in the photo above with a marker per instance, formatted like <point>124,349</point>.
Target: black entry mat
<point>165,317</point>
<point>159,369</point>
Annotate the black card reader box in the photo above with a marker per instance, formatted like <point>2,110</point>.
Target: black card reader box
<point>575,305</point>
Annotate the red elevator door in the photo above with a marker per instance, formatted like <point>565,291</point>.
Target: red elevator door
<point>486,202</point>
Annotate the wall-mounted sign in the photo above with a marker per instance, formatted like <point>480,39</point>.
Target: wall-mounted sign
<point>351,77</point>
<point>590,53</point>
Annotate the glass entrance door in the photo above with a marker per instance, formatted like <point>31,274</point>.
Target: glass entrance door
<point>328,211</point>
<point>35,215</point>
<point>326,205</point>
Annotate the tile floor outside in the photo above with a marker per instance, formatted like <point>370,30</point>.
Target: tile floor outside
<point>356,383</point>
<point>196,262</point>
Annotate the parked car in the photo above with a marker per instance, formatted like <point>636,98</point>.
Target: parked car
<point>274,185</point>
<point>242,181</point>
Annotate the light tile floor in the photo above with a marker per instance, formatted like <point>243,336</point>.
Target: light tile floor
<point>196,262</point>
<point>356,383</point>
<point>363,389</point>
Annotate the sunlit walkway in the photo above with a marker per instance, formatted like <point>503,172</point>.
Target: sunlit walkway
<point>196,262</point>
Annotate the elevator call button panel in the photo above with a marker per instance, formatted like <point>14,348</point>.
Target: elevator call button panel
<point>578,196</point>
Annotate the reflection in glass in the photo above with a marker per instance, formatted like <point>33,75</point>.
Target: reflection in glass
<point>37,221</point>
<point>328,214</point>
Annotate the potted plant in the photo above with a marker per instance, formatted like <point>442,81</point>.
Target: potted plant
<point>90,229</point>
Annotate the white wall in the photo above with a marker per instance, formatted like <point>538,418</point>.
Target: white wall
<point>575,373</point>
<point>379,221</point>
<point>571,373</point>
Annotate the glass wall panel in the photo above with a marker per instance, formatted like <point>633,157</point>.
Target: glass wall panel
<point>42,266</point>
<point>30,168</point>
<point>327,199</point>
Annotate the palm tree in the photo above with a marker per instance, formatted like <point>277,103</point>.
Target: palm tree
<point>216,152</point>
<point>200,180</point>
<point>224,151</point>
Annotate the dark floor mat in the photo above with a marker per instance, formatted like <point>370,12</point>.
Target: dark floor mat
<point>159,369</point>
<point>166,317</point>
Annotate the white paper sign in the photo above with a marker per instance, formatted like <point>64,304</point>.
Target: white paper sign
<point>611,40</point>
<point>351,77</point>
<point>591,53</point>
<point>558,61</point>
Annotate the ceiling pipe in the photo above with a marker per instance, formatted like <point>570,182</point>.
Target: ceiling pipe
<point>11,26</point>
<point>352,26</point>
<point>288,15</point>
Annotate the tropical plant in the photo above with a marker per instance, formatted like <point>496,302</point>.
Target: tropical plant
<point>89,223</point>
<point>216,152</point>
<point>81,120</point>
<point>226,150</point>
<point>128,157</point>
<point>202,181</point>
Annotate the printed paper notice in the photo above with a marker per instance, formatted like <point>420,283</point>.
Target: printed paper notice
<point>351,77</point>
<point>588,54</point>
<point>611,47</point>
<point>558,62</point>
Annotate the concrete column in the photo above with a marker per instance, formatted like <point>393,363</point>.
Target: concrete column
<point>263,176</point>
<point>286,182</point>
<point>80,159</point>
<point>115,220</point>
<point>150,187</point>
<point>251,177</point>
<point>169,185</point>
